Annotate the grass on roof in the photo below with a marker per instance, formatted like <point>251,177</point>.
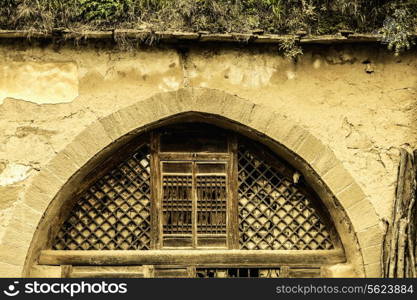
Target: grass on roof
<point>396,19</point>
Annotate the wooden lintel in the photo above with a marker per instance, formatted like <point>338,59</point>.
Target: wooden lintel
<point>192,257</point>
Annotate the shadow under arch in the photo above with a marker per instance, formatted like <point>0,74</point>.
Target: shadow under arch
<point>64,174</point>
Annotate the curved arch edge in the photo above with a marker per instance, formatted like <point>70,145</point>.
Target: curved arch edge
<point>44,186</point>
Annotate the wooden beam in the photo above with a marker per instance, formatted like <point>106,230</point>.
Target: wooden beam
<point>193,156</point>
<point>108,272</point>
<point>192,257</point>
<point>398,255</point>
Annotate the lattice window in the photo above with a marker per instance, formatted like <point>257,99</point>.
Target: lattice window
<point>215,192</point>
<point>211,204</point>
<point>277,272</point>
<point>177,204</point>
<point>274,214</point>
<point>218,191</point>
<point>114,214</point>
<point>237,273</point>
<point>194,204</point>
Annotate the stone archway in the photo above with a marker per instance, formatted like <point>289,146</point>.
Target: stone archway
<point>353,214</point>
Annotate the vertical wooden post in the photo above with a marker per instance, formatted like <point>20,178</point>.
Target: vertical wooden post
<point>233,213</point>
<point>194,204</point>
<point>155,192</point>
<point>66,271</point>
<point>285,272</point>
<point>399,248</point>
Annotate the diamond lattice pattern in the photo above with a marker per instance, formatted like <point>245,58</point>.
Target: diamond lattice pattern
<point>114,213</point>
<point>273,213</point>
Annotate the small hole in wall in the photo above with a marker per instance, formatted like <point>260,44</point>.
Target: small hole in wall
<point>369,68</point>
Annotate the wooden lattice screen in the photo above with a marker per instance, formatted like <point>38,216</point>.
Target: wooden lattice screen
<point>200,204</point>
<point>283,272</point>
<point>211,204</point>
<point>237,273</point>
<point>177,204</point>
<point>114,214</point>
<point>273,213</point>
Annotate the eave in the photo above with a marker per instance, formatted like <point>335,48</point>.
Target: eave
<point>201,37</point>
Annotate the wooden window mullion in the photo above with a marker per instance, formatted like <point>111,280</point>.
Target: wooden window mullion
<point>155,193</point>
<point>191,271</point>
<point>233,223</point>
<point>194,209</point>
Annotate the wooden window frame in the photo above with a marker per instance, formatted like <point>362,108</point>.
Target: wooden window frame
<point>228,158</point>
<point>202,257</point>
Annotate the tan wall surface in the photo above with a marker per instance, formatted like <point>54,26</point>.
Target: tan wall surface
<point>360,100</point>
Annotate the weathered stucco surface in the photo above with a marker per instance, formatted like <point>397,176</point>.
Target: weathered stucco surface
<point>43,82</point>
<point>364,117</point>
<point>358,99</point>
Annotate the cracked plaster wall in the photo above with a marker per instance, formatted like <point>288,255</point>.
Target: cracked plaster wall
<point>360,100</point>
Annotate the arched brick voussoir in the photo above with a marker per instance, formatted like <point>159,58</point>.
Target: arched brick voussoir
<point>159,106</point>
<point>234,108</point>
<point>100,134</point>
<point>47,183</point>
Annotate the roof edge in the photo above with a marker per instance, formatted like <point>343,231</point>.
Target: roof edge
<point>178,36</point>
